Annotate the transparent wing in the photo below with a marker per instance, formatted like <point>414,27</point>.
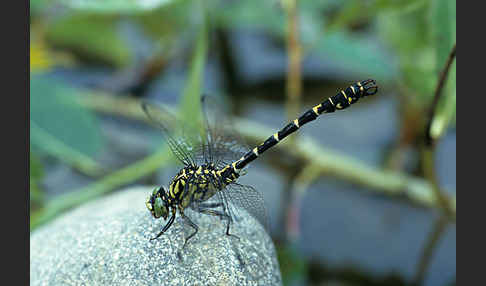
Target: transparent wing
<point>219,143</point>
<point>183,148</point>
<point>225,144</point>
<point>251,200</point>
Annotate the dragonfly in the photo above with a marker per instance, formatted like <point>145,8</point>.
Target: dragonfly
<point>215,160</point>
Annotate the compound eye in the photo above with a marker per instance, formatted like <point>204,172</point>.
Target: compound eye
<point>159,207</point>
<point>155,192</point>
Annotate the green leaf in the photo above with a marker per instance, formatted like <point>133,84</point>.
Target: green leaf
<point>36,195</point>
<point>92,37</point>
<point>408,35</point>
<point>399,6</point>
<point>358,11</point>
<point>115,6</point>
<point>351,12</point>
<point>109,183</point>
<point>36,173</point>
<point>292,264</point>
<point>60,126</point>
<point>443,29</point>
<point>258,14</point>
<point>55,147</point>
<point>35,167</point>
<point>37,6</point>
<point>443,36</point>
<point>361,56</point>
<point>168,22</point>
<point>191,98</point>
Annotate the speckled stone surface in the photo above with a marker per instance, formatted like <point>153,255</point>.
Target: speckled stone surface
<point>106,242</point>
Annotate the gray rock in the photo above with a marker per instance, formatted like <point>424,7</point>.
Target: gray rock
<point>106,242</point>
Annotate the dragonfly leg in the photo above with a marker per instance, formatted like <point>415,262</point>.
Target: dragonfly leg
<point>193,225</point>
<point>166,227</point>
<point>210,205</point>
<point>221,215</point>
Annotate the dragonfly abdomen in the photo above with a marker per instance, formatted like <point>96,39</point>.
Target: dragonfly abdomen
<point>339,101</point>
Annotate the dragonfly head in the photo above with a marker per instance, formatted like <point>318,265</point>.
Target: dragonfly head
<point>157,203</point>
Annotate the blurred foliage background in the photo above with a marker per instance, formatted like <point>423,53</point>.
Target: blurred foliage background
<point>362,197</point>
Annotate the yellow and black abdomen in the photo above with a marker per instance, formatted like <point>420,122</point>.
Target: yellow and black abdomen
<point>339,101</point>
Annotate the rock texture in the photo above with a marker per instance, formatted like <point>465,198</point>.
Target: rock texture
<point>106,242</point>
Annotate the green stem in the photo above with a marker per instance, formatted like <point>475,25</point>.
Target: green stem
<point>439,228</point>
<point>429,138</point>
<point>428,166</point>
<point>56,148</point>
<point>294,81</point>
<point>109,183</point>
<point>428,150</point>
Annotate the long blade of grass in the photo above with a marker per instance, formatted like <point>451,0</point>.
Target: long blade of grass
<point>56,148</point>
<point>109,183</point>
<point>190,105</point>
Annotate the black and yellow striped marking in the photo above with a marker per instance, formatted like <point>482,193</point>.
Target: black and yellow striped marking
<point>198,184</point>
<point>339,101</point>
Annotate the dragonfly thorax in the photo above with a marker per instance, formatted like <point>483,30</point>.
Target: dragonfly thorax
<point>198,184</point>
